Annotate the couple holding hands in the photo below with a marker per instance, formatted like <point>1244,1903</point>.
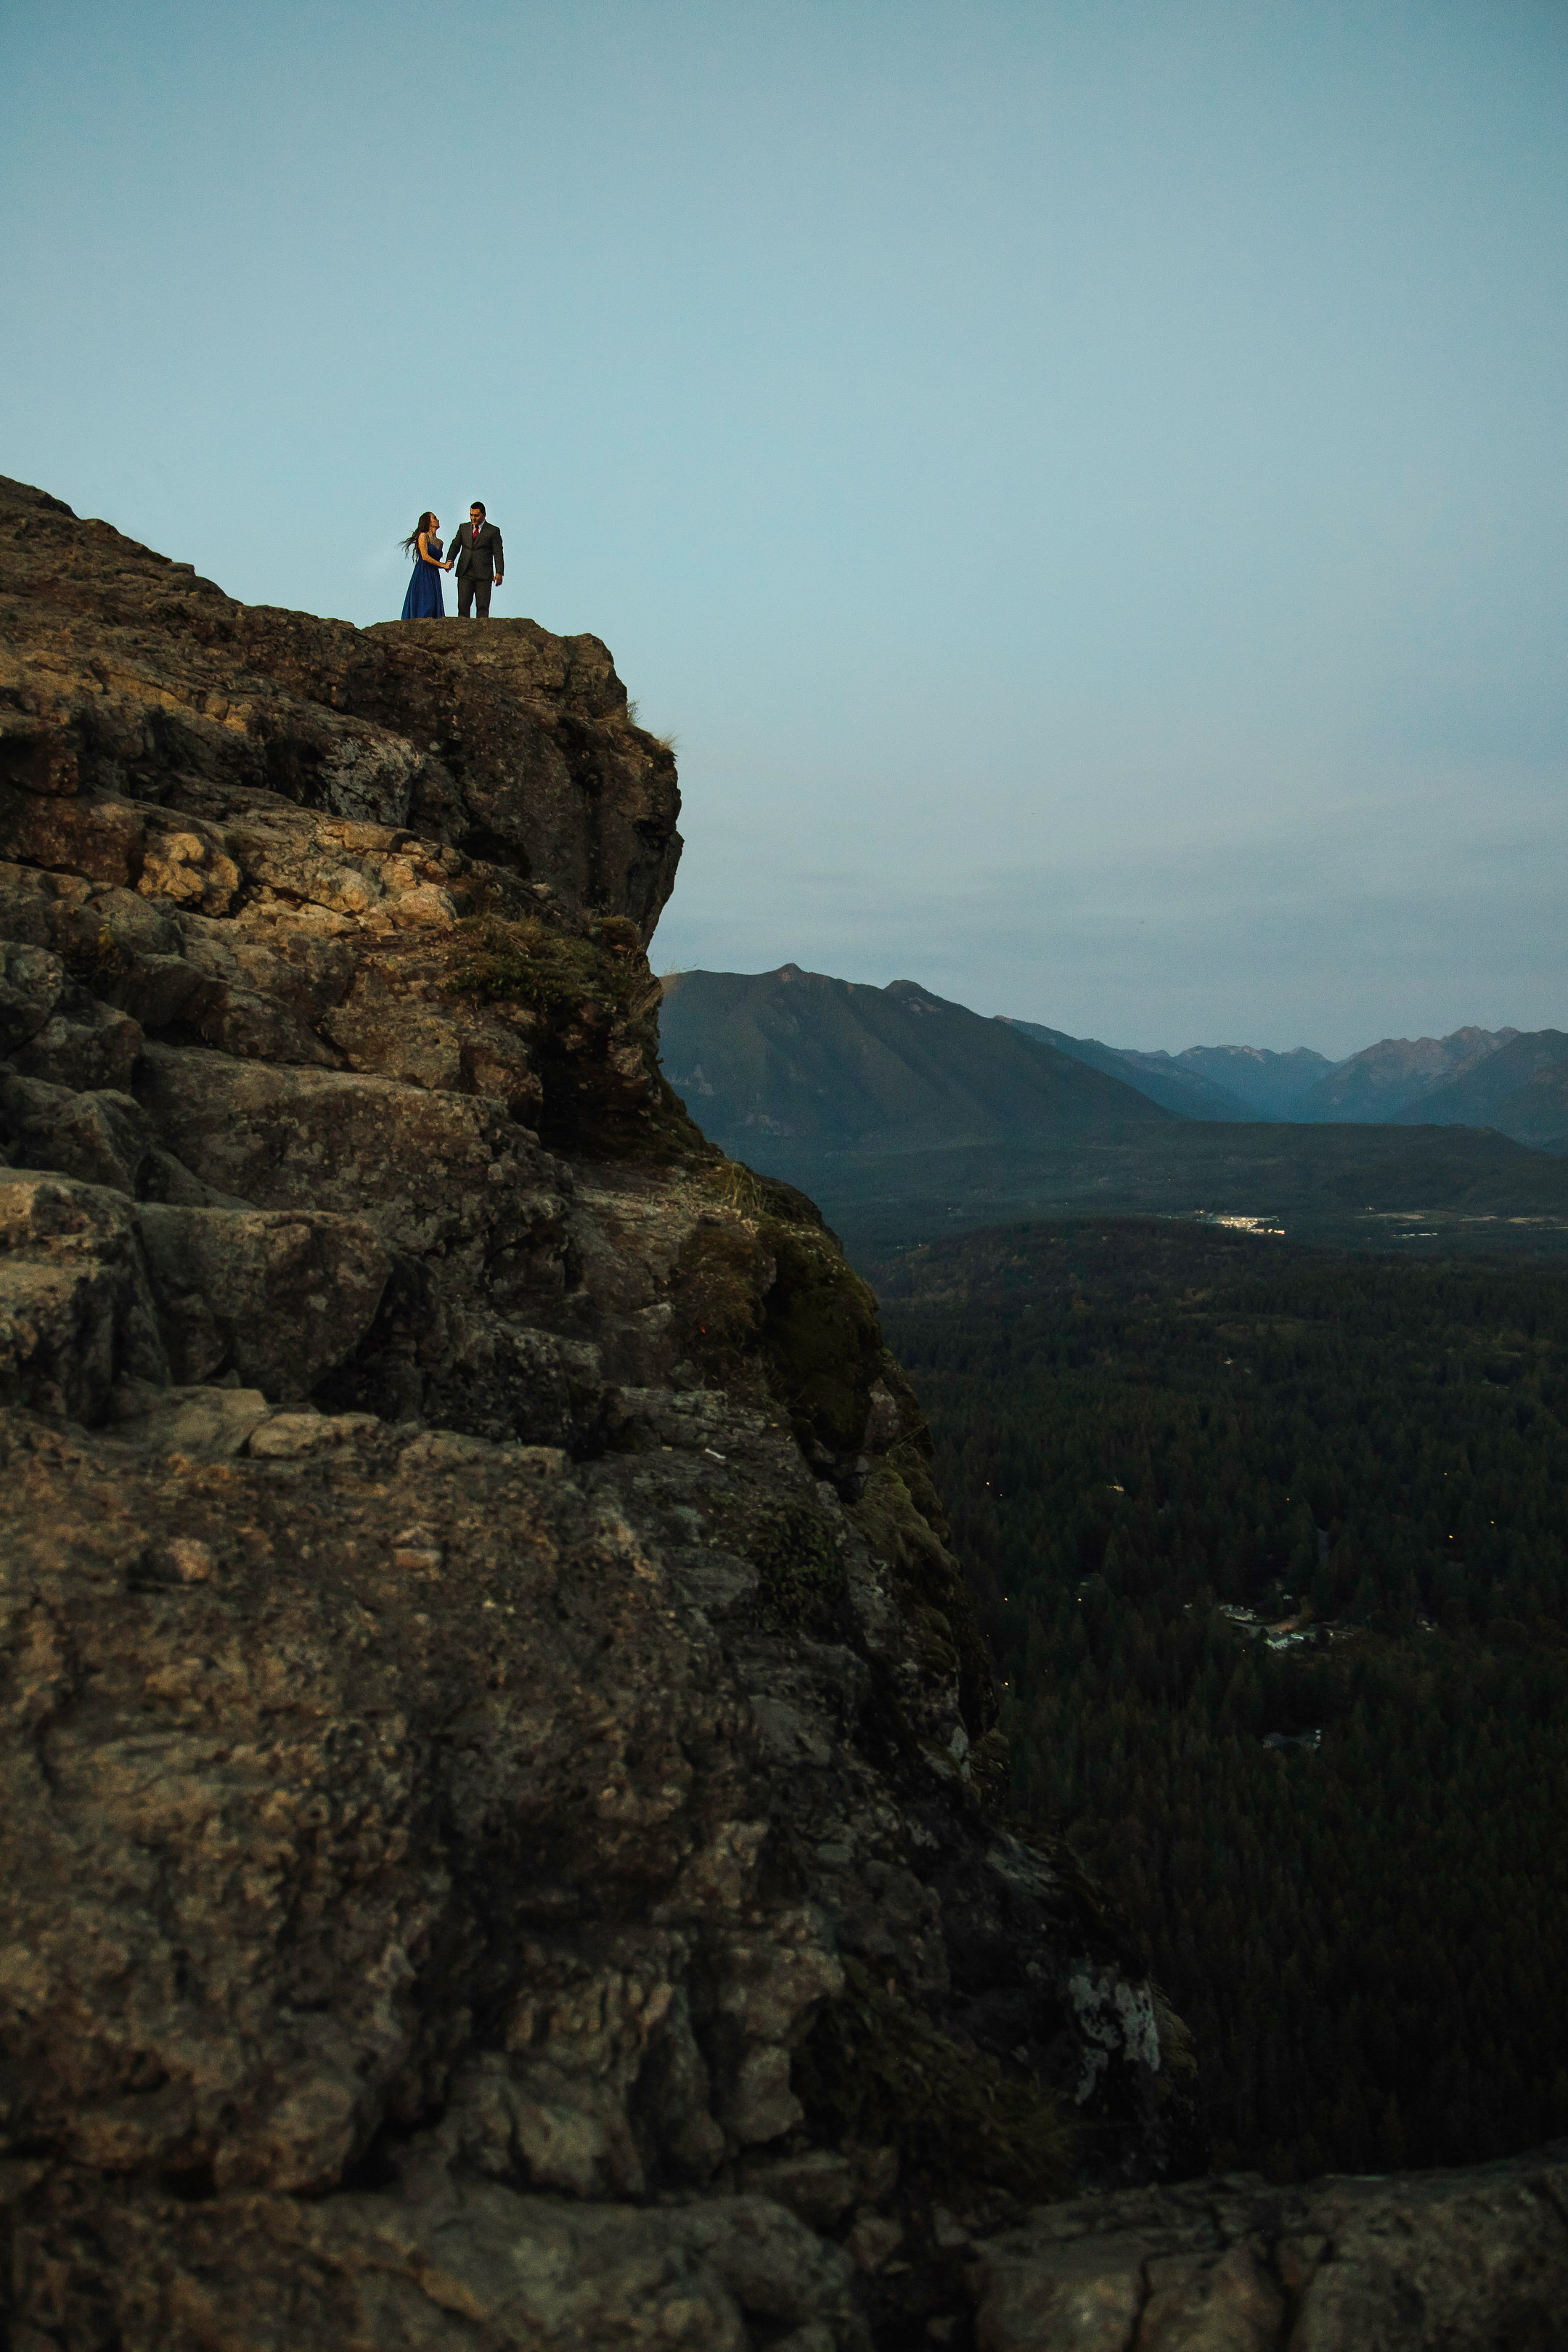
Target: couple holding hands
<point>477,556</point>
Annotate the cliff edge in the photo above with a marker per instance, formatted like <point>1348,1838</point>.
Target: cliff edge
<point>499,1847</point>
<point>498,1844</point>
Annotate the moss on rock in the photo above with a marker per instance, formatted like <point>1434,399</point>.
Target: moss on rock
<point>928,1580</point>
<point>876,2069</point>
<point>783,1309</point>
<point>767,1306</point>
<point>595,1004</point>
<point>531,962</point>
<point>716,1292</point>
<point>802,1587</point>
<point>822,1338</point>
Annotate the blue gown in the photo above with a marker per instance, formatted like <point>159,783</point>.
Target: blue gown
<point>422,601</point>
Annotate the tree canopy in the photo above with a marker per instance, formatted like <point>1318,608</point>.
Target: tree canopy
<point>1215,1487</point>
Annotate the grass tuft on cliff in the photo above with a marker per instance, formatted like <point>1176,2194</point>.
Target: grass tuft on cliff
<point>595,1006</point>
<point>767,1304</point>
<point>528,961</point>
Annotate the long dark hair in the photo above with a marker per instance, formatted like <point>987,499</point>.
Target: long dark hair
<point>412,542</point>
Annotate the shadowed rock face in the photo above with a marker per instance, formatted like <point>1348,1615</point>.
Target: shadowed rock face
<point>496,1760</point>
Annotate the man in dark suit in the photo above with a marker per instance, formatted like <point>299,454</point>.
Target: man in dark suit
<point>480,562</point>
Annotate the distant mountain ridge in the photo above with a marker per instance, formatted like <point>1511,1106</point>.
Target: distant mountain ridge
<point>1271,1083</point>
<point>1515,1081</point>
<point>1387,1080</point>
<point>1522,1089</point>
<point>1205,1081</point>
<point>811,1065</point>
<point>796,1059</point>
<point>901,1113</point>
<point>1159,1075</point>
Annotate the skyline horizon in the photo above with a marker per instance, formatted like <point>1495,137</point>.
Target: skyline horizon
<point>1227,1045</point>
<point>1090,1033</point>
<point>1084,484</point>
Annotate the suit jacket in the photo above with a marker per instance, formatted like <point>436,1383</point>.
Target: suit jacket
<point>478,551</point>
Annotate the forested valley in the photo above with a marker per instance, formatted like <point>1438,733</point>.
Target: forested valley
<point>1218,1491</point>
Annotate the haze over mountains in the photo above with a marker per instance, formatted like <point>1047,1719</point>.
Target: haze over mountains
<point>1206,1081</point>
<point>826,1066</point>
<point>1397,1073</point>
<point>1417,1079</point>
<point>900,1111</point>
<point>834,1065</point>
<point>1265,1082</point>
<point>1522,1089</point>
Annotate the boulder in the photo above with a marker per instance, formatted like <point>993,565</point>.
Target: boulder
<point>101,1137</point>
<point>31,984</point>
<point>439,1174</point>
<point>468,2264</point>
<point>82,1044</point>
<point>76,1311</point>
<point>275,1298</point>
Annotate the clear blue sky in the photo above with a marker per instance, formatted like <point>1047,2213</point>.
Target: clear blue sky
<point>1085,480</point>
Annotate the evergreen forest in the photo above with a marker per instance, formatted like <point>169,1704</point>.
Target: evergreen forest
<point>1271,1547</point>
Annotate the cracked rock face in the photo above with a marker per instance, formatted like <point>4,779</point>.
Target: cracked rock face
<point>498,1841</point>
<point>497,1847</point>
<point>1462,2260</point>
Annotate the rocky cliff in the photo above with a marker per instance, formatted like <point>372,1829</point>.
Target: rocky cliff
<point>497,1755</point>
<point>497,1840</point>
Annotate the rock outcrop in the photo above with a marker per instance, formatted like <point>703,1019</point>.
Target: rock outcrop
<point>498,1842</point>
<point>498,1759</point>
<point>1435,2261</point>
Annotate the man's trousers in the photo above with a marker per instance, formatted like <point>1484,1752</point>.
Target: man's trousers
<point>473,591</point>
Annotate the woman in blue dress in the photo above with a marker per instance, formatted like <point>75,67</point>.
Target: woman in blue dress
<point>422,601</point>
